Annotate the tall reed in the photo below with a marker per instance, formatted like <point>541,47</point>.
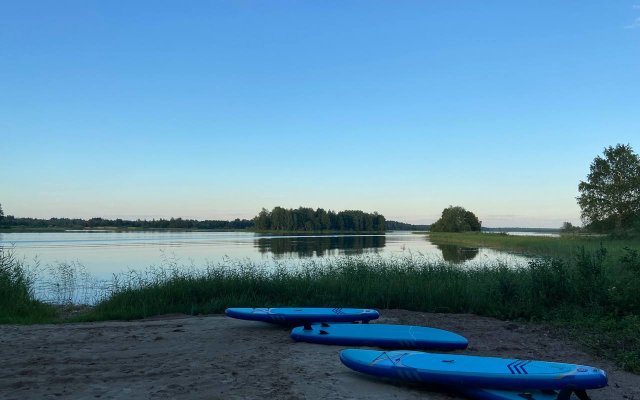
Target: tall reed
<point>17,302</point>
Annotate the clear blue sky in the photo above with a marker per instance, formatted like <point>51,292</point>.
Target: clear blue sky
<point>215,109</point>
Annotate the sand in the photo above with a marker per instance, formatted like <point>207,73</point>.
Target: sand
<point>214,357</point>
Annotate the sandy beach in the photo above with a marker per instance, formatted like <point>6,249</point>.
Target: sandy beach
<point>215,357</point>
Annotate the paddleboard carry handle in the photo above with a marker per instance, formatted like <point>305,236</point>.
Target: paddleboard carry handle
<point>307,325</point>
<point>565,393</point>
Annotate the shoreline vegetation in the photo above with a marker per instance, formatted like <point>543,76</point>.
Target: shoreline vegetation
<point>564,246</point>
<point>587,287</point>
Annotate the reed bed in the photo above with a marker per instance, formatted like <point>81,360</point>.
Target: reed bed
<point>412,283</point>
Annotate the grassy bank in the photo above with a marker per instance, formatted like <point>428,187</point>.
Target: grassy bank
<point>565,246</point>
<point>589,301</point>
<point>596,304</point>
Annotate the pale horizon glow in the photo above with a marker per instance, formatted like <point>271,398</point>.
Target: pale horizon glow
<point>216,110</point>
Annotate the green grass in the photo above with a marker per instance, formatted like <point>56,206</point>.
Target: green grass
<point>411,283</point>
<point>17,303</point>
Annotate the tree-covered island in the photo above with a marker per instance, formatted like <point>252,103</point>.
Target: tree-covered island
<point>310,220</point>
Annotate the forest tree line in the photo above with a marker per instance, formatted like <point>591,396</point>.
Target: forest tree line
<point>279,219</point>
<point>10,222</point>
<point>308,219</point>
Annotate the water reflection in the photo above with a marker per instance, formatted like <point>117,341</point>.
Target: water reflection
<point>457,254</point>
<point>319,246</point>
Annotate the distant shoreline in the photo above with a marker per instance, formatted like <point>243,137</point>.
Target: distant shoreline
<point>113,229</point>
<point>135,229</point>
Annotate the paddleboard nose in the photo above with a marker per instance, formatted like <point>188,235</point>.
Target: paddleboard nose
<point>590,377</point>
<point>360,356</point>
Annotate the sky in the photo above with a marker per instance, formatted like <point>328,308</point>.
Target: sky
<point>216,109</point>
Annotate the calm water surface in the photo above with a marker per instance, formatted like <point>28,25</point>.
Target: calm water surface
<point>105,253</point>
<point>101,254</point>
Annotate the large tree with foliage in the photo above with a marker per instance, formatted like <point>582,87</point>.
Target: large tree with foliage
<point>610,197</point>
<point>456,219</point>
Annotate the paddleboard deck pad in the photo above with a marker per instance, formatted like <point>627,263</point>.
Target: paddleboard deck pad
<point>381,335</point>
<point>303,315</point>
<point>473,371</point>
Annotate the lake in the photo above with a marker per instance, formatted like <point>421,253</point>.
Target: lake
<point>98,255</point>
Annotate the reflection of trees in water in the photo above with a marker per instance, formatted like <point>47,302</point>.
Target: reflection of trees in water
<point>457,254</point>
<point>319,246</point>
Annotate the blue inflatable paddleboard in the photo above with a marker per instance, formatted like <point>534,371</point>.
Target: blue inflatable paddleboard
<point>383,335</point>
<point>302,315</point>
<point>472,371</point>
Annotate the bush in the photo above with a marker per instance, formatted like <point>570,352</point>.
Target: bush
<point>456,219</point>
<point>624,292</point>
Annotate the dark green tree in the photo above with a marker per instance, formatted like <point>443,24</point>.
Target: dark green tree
<point>263,220</point>
<point>323,219</point>
<point>456,219</point>
<point>610,197</point>
<point>280,219</point>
